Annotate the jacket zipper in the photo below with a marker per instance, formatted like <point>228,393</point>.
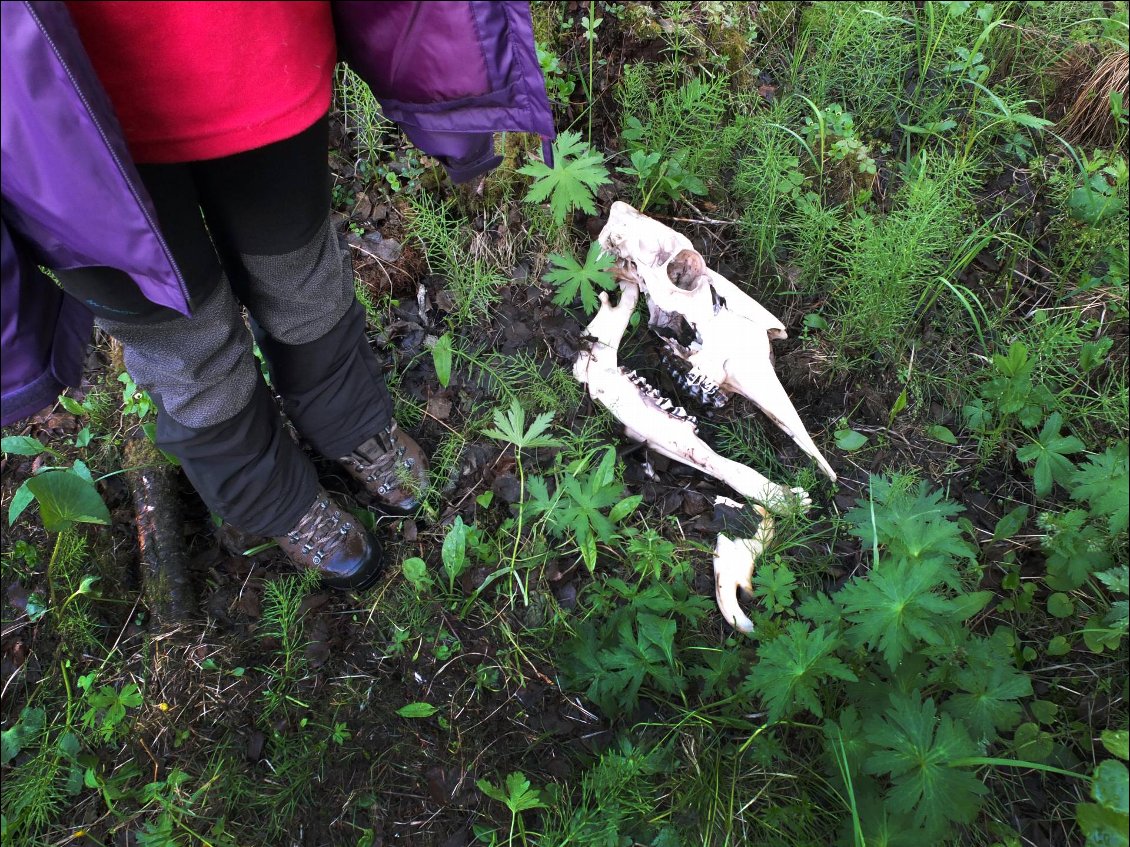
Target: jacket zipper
<point>117,160</point>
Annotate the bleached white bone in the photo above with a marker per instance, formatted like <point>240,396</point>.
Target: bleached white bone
<point>645,418</point>
<point>734,560</point>
<point>704,318</point>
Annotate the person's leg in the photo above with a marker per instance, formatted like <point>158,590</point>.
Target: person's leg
<point>215,414</point>
<point>268,211</point>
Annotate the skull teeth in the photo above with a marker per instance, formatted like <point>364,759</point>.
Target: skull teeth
<point>696,384</point>
<point>662,402</point>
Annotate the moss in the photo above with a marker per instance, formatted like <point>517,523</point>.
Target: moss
<point>547,23</point>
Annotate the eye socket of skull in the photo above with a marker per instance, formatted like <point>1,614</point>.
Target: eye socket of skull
<point>686,270</point>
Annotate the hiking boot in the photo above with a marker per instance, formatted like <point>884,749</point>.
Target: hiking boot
<point>392,467</point>
<point>327,539</point>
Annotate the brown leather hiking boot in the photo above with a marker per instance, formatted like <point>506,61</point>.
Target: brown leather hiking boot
<point>392,467</point>
<point>328,539</point>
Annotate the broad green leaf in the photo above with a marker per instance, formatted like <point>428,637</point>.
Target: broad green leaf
<point>1104,482</point>
<point>20,501</point>
<point>1049,451</point>
<point>915,747</point>
<point>22,445</point>
<point>1093,353</point>
<point>587,545</point>
<point>1060,605</point>
<point>1045,711</point>
<point>65,498</point>
<point>1030,121</point>
<point>573,279</point>
<point>415,571</point>
<point>520,795</point>
<point>1092,205</point>
<point>896,607</point>
<point>1102,826</point>
<point>911,523</point>
<point>1117,742</point>
<point>441,358</point>
<point>511,427</point>
<point>605,473</point>
<point>989,697</point>
<point>1032,744</point>
<point>794,668</point>
<point>941,433</point>
<point>1011,523</point>
<point>417,710</point>
<point>849,440</point>
<point>898,406</point>
<point>572,181</point>
<point>21,734</point>
<point>624,508</point>
<point>1059,646</point>
<point>491,791</point>
<point>454,552</point>
<point>1111,786</point>
<point>72,405</point>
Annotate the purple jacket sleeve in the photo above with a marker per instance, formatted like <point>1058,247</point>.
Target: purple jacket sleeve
<point>450,73</point>
<point>43,335</point>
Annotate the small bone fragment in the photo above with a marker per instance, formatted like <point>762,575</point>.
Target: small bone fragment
<point>734,560</point>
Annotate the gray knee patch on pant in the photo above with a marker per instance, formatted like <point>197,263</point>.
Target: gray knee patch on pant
<point>202,366</point>
<point>298,297</point>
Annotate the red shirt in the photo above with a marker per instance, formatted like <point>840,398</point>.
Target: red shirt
<point>199,80</point>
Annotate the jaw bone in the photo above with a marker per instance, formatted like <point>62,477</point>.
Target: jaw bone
<point>704,319</point>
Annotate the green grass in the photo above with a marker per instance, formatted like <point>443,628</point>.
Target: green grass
<point>470,271</point>
<point>937,606</point>
<point>362,118</point>
<point>881,268</point>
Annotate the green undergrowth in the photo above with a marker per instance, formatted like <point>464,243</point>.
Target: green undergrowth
<point>939,645</point>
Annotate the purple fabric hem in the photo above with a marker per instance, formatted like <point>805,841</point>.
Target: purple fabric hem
<point>30,398</point>
<point>64,369</point>
<point>465,173</point>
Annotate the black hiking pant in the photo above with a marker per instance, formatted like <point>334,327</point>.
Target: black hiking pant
<point>250,230</point>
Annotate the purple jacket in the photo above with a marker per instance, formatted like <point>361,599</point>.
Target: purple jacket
<point>450,74</point>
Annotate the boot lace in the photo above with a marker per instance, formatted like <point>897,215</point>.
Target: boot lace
<point>320,531</point>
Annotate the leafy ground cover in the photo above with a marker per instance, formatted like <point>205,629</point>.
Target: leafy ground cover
<point>933,198</point>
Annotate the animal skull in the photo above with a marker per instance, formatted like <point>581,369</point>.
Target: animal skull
<point>704,319</point>
<point>724,335</point>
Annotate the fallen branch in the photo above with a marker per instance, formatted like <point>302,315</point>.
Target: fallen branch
<point>163,560</point>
